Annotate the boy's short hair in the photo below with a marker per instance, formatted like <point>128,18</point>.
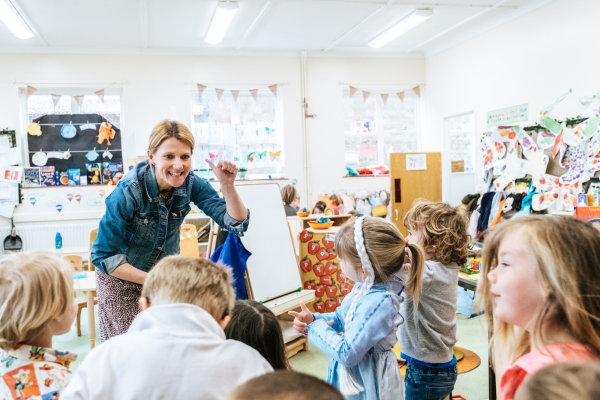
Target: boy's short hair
<point>285,385</point>
<point>192,280</point>
<point>564,380</point>
<point>35,287</point>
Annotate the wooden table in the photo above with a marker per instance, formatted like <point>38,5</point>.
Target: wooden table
<point>467,281</point>
<point>86,283</point>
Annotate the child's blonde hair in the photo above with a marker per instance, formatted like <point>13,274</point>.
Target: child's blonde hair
<point>289,194</point>
<point>385,247</point>
<point>34,288</point>
<point>443,229</point>
<point>568,258</point>
<point>192,280</point>
<point>564,380</point>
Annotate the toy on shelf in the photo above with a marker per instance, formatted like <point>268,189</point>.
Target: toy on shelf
<point>303,212</point>
<point>321,223</point>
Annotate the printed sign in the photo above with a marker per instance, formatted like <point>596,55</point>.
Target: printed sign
<point>507,116</point>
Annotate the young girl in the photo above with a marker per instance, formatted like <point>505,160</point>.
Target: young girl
<point>291,200</point>
<point>361,362</point>
<point>428,334</point>
<point>542,277</point>
<point>254,324</point>
<point>36,302</point>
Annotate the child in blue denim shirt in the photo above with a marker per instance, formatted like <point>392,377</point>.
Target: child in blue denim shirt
<point>361,362</point>
<point>428,334</point>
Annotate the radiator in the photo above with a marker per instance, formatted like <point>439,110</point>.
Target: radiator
<point>42,235</point>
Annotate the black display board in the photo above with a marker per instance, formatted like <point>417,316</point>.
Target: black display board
<point>79,146</point>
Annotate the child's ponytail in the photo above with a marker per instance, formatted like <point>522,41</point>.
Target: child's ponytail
<point>413,286</point>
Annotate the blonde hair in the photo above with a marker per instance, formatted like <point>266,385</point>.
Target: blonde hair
<point>170,129</point>
<point>192,280</point>
<point>564,380</point>
<point>443,229</point>
<point>34,288</point>
<point>385,247</point>
<point>567,252</point>
<point>288,194</point>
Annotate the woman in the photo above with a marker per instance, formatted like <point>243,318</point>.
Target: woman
<point>143,217</point>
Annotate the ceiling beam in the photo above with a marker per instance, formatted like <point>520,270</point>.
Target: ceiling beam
<point>254,23</point>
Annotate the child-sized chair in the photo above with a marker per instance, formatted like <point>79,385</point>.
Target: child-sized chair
<point>77,262</point>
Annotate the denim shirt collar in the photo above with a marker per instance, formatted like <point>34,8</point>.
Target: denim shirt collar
<point>151,185</point>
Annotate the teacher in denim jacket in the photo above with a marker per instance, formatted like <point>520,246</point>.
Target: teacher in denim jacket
<point>143,217</point>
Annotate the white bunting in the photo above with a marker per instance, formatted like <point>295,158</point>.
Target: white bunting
<point>417,90</point>
<point>219,93</point>
<point>78,100</point>
<point>200,88</point>
<point>384,97</point>
<point>235,94</point>
<point>100,94</point>
<point>352,90</point>
<point>55,99</point>
<point>273,89</point>
<point>30,90</point>
<point>366,95</point>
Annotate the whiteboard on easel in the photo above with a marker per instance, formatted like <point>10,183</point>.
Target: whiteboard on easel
<point>272,268</point>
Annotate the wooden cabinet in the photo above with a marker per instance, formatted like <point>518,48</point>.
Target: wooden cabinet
<point>408,185</point>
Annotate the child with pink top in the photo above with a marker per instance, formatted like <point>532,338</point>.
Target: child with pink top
<point>541,294</point>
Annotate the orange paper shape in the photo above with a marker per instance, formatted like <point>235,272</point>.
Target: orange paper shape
<point>106,133</point>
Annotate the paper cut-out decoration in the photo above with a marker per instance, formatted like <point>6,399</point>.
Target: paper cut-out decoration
<point>92,155</point>
<point>67,154</point>
<point>34,129</point>
<point>101,192</point>
<point>39,158</point>
<point>100,94</point>
<point>106,133</point>
<point>548,108</point>
<point>68,131</point>
<point>275,156</point>
<point>59,207</point>
<point>352,90</point>
<point>251,156</point>
<point>556,194</point>
<point>77,197</point>
<point>69,196</point>
<point>235,94</point>
<point>78,100</point>
<point>87,126</point>
<point>492,151</point>
<point>56,154</point>
<point>213,157</point>
<point>200,88</point>
<point>107,154</point>
<point>32,200</point>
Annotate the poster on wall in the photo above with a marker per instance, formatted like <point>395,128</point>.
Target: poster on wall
<point>507,116</point>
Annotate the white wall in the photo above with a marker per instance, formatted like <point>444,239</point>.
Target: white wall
<point>154,85</point>
<point>533,60</point>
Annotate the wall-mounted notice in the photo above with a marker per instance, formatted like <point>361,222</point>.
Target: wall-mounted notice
<point>416,162</point>
<point>457,166</point>
<point>507,116</point>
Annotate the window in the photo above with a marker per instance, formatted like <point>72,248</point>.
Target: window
<point>246,131</point>
<point>374,129</point>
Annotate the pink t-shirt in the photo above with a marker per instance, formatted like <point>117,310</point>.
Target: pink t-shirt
<point>531,362</point>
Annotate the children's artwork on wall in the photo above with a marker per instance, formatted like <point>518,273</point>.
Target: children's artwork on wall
<point>555,194</point>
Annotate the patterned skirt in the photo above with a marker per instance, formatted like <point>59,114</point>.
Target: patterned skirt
<point>117,304</point>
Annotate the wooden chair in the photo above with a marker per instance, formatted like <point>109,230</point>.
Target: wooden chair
<point>77,262</point>
<point>93,234</point>
<point>188,241</point>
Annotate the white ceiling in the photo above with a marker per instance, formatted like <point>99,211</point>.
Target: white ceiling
<point>260,26</point>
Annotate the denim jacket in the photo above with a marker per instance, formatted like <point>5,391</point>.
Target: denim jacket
<point>140,228</point>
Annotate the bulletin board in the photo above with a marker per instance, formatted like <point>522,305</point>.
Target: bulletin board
<point>272,268</point>
<point>83,142</point>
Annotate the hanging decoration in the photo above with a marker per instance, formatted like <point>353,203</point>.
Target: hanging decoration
<point>550,107</point>
<point>79,99</point>
<point>200,87</point>
<point>30,90</point>
<point>253,93</point>
<point>400,96</point>
<point>384,97</point>
<point>352,90</point>
<point>106,132</point>
<point>219,93</point>
<point>273,89</point>
<point>235,94</point>
<point>100,94</point>
<point>34,129</point>
<point>417,90</point>
<point>365,95</point>
<point>68,131</point>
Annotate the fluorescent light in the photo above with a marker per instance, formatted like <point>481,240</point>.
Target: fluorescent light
<point>14,21</point>
<point>220,21</point>
<point>412,20</point>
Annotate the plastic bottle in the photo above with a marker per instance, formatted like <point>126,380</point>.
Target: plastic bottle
<point>58,241</point>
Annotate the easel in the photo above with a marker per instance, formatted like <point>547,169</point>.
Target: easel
<point>294,342</point>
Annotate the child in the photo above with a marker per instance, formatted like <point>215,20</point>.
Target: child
<point>319,207</point>
<point>254,324</point>
<point>285,385</point>
<point>176,347</point>
<point>36,302</point>
<point>565,380</point>
<point>361,362</point>
<point>541,293</point>
<point>291,200</point>
<point>428,334</point>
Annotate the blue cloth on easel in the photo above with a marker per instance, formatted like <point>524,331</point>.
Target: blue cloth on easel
<point>233,253</point>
